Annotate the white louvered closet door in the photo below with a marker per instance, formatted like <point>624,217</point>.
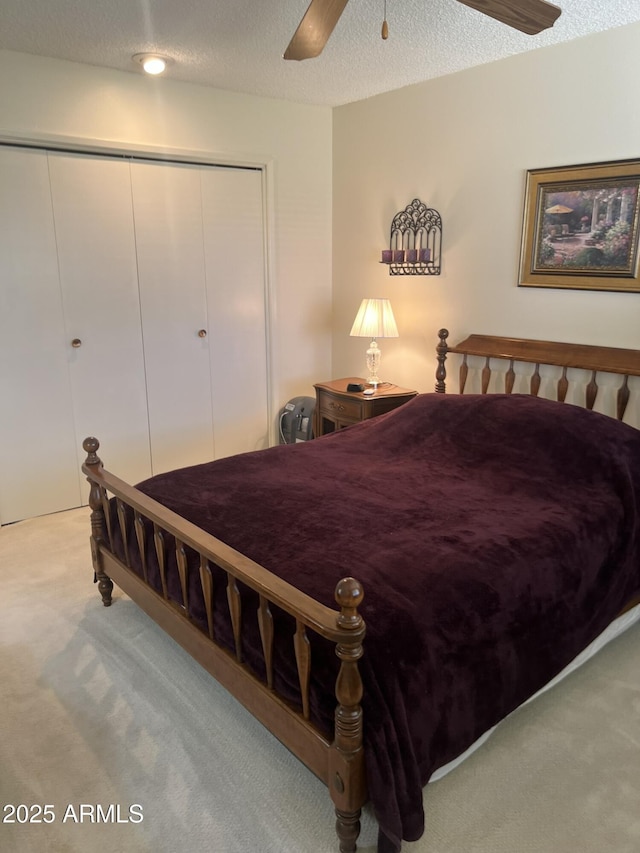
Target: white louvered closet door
<point>38,461</point>
<point>99,281</point>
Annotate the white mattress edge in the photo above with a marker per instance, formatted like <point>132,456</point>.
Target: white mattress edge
<point>615,629</point>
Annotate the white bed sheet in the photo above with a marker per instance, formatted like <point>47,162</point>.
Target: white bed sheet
<point>617,627</point>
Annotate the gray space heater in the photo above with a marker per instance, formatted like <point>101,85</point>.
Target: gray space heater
<point>296,420</point>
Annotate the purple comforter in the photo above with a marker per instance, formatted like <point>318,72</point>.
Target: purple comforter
<point>495,537</point>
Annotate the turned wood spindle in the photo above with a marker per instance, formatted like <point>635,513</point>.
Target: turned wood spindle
<point>592,391</point>
<point>265,623</point>
<point>106,510</point>
<point>486,375</point>
<point>206,581</point>
<point>303,662</point>
<point>96,504</point>
<point>622,399</point>
<point>141,536</point>
<point>235,611</point>
<point>348,717</point>
<point>183,573</point>
<point>509,378</point>
<point>464,373</point>
<point>441,354</point>
<point>122,521</point>
<point>161,555</point>
<point>535,381</point>
<point>563,386</point>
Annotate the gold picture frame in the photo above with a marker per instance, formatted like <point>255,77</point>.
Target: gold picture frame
<point>580,227</point>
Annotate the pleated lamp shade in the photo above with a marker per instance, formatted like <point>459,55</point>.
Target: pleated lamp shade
<point>374,320</point>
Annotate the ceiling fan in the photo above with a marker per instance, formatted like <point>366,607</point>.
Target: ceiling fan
<point>528,16</point>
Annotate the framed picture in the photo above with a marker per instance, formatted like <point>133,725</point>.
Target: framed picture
<point>580,227</point>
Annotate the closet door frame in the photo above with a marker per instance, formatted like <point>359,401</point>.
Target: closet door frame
<point>265,165</point>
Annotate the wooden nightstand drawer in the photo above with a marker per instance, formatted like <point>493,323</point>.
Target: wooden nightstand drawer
<point>337,408</point>
<point>340,406</point>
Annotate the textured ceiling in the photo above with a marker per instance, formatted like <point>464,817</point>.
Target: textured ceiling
<point>238,44</point>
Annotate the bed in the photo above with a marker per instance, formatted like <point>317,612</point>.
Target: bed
<point>486,538</point>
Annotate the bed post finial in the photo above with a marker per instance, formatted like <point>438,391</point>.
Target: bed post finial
<point>441,371</point>
<point>349,595</point>
<point>346,764</point>
<point>91,445</point>
<point>98,523</point>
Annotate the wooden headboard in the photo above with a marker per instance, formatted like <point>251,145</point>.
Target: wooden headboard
<point>595,359</point>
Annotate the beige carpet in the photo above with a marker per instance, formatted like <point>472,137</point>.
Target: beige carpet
<point>100,708</point>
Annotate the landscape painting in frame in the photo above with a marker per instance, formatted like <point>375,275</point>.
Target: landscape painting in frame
<point>580,227</point>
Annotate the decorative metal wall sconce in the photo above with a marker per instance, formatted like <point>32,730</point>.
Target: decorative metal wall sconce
<point>415,242</point>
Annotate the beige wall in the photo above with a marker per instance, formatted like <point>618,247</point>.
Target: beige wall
<point>462,144</point>
<point>51,100</point>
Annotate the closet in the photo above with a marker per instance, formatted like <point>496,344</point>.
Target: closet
<point>133,308</point>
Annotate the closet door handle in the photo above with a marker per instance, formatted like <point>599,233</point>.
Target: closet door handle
<point>202,333</point>
<point>76,342</point>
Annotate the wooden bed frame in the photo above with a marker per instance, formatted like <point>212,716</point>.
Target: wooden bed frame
<point>337,761</point>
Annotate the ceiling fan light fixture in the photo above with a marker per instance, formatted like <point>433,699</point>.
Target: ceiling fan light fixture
<point>320,19</point>
<point>152,63</point>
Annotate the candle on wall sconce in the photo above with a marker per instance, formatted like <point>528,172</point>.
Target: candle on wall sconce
<point>425,256</point>
<point>412,256</point>
<point>387,256</point>
<point>398,256</point>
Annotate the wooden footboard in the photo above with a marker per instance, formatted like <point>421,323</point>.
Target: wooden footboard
<point>339,761</point>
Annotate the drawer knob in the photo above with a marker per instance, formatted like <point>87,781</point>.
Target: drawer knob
<point>337,406</point>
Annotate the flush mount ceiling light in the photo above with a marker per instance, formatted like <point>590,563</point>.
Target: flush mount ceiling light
<point>152,63</point>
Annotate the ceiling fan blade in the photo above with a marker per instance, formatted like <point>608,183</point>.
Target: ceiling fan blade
<point>315,28</point>
<point>528,16</point>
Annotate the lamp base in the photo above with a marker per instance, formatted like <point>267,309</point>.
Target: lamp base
<point>373,363</point>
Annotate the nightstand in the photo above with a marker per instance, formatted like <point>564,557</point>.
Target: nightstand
<point>337,408</point>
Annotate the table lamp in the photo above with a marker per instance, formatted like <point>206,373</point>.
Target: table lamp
<point>374,320</point>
